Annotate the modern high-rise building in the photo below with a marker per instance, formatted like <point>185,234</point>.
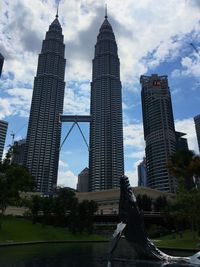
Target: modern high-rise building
<point>3,124</point>
<point>197,127</point>
<point>159,131</point>
<point>1,63</point>
<point>82,185</point>
<point>142,173</point>
<point>3,131</point>
<point>181,142</point>
<point>18,156</point>
<point>106,160</point>
<point>44,129</point>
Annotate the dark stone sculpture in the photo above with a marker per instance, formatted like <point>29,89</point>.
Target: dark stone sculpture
<point>132,226</point>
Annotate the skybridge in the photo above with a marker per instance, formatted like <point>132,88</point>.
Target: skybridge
<point>76,119</point>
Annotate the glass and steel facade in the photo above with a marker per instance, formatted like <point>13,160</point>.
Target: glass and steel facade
<point>142,173</point>
<point>44,129</point>
<point>3,131</point>
<point>20,147</point>
<point>106,160</point>
<point>159,131</point>
<point>197,127</point>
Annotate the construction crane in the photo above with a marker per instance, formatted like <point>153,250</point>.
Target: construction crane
<point>194,47</point>
<point>14,134</point>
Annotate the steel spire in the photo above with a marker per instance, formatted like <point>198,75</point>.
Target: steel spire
<point>106,15</point>
<point>57,10</point>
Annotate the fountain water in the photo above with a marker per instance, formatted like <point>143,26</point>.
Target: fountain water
<point>132,226</point>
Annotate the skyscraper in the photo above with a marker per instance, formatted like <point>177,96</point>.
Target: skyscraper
<point>20,147</point>
<point>106,162</point>
<point>142,173</point>
<point>181,142</point>
<point>1,63</point>
<point>197,126</point>
<point>3,131</point>
<point>159,132</point>
<point>82,185</point>
<point>44,129</point>
<point>3,124</point>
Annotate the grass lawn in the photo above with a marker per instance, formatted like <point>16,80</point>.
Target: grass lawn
<point>185,242</point>
<point>20,230</point>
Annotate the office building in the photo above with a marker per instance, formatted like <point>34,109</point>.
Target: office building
<point>159,131</point>
<point>82,185</point>
<point>197,127</point>
<point>3,131</point>
<point>181,142</point>
<point>18,156</point>
<point>44,129</point>
<point>108,200</point>
<point>3,124</point>
<point>142,173</point>
<point>106,162</point>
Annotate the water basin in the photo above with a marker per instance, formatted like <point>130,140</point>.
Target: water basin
<point>72,255</point>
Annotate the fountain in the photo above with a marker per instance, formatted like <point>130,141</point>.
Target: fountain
<point>132,226</point>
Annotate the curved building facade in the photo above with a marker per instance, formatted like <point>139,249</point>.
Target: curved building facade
<point>197,127</point>
<point>106,160</point>
<point>159,131</point>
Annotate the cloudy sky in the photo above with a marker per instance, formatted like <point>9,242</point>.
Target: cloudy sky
<point>153,36</point>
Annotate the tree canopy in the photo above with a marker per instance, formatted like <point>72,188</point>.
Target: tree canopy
<point>185,166</point>
<point>13,180</point>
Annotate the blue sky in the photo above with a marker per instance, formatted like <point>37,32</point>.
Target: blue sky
<point>153,36</point>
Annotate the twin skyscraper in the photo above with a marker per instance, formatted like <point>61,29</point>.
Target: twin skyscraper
<point>106,162</point>
<point>106,155</point>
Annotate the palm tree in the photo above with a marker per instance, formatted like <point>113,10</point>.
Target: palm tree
<point>182,166</point>
<point>185,166</point>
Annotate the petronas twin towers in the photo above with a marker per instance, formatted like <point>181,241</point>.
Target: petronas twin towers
<point>106,162</point>
<point>44,129</point>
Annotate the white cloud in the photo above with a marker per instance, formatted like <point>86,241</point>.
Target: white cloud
<point>176,73</point>
<point>191,66</point>
<point>67,178</point>
<point>134,139</point>
<point>136,154</point>
<point>187,126</point>
<point>63,164</point>
<point>76,103</point>
<point>125,106</point>
<point>140,28</point>
<point>5,108</point>
<point>17,102</point>
<point>133,174</point>
<point>81,21</point>
<point>133,136</point>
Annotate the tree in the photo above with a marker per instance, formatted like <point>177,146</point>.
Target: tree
<point>64,204</point>
<point>64,209</point>
<point>13,180</point>
<point>34,205</point>
<point>86,215</point>
<point>47,209</point>
<point>160,203</point>
<point>82,217</point>
<point>185,166</point>
<point>144,202</point>
<point>186,208</point>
